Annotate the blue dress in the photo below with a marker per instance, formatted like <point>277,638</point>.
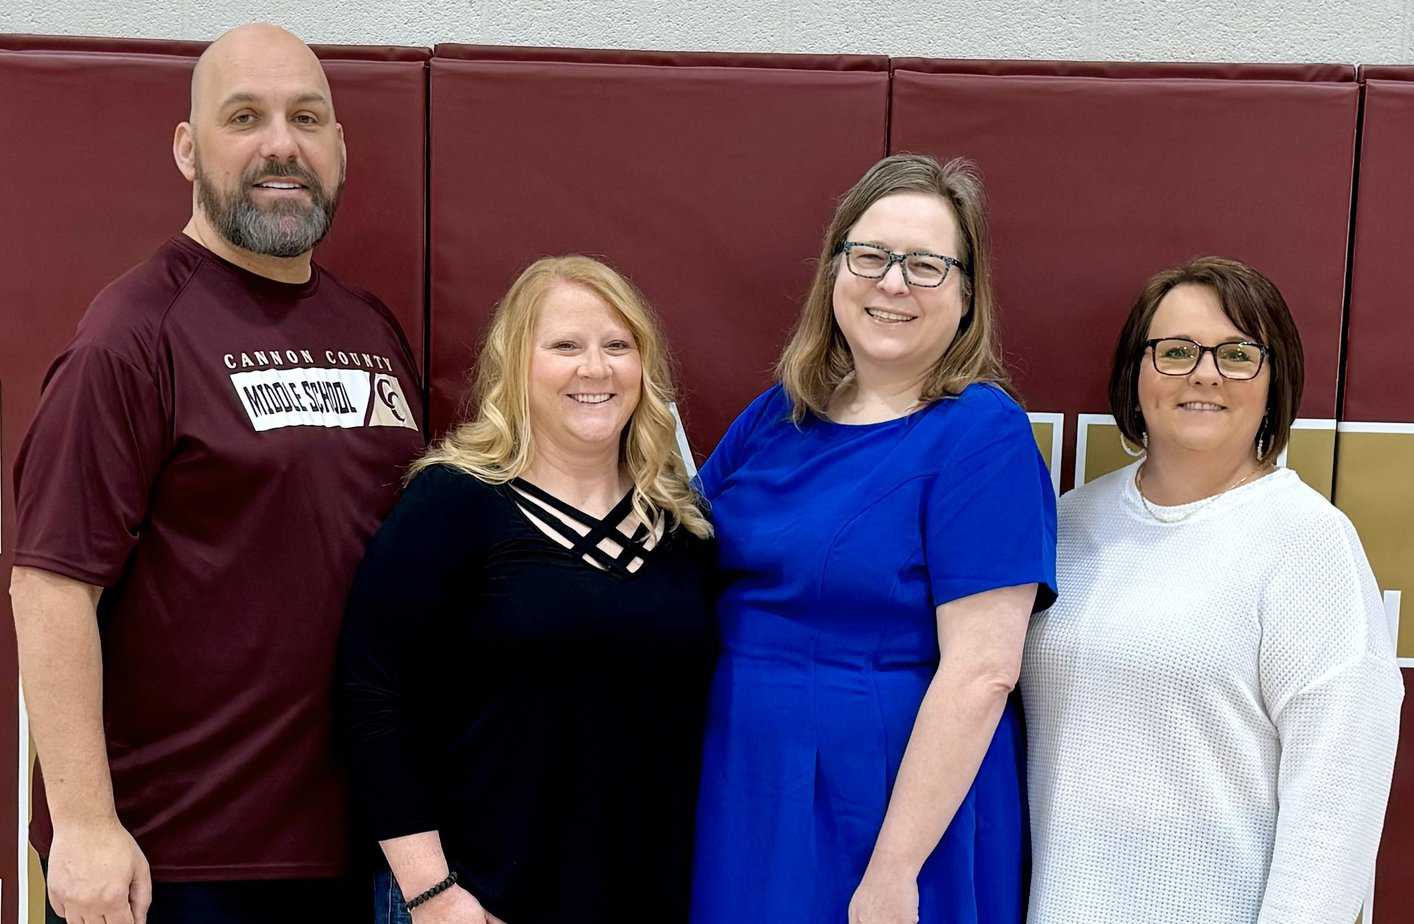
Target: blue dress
<point>836,544</point>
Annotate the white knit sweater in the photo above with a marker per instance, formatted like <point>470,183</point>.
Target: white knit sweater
<point>1212,705</point>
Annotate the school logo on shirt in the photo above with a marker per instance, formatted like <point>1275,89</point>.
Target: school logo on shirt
<point>311,397</point>
<point>390,407</point>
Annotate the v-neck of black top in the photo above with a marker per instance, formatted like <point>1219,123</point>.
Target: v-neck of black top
<point>582,546</point>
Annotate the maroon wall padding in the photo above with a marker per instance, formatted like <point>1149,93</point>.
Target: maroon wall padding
<point>553,55</point>
<point>1394,873</point>
<point>89,189</point>
<point>1098,180</point>
<point>1380,328</point>
<point>1381,325</point>
<point>1128,69</point>
<point>91,44</point>
<point>706,178</point>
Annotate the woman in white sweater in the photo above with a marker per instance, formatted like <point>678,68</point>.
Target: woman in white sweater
<point>1212,702</point>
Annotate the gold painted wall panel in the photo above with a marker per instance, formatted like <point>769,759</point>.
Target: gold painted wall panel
<point>1375,487</point>
<point>36,888</point>
<point>1044,433</point>
<point>1311,454</point>
<point>1104,452</point>
<point>33,869</point>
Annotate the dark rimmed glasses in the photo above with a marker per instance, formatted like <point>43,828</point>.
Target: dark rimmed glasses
<point>920,268</point>
<point>1238,360</point>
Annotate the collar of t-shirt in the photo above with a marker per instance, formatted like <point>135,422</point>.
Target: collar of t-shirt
<point>263,285</point>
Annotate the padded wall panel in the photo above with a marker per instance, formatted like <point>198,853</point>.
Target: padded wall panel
<point>707,179</point>
<point>1151,70</point>
<point>1381,322</point>
<point>91,193</point>
<point>90,189</point>
<point>1394,873</point>
<point>1100,175</point>
<point>379,241</point>
<point>1375,475</point>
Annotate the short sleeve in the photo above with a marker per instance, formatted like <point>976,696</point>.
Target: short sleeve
<point>85,469</point>
<point>990,512</point>
<point>734,445</point>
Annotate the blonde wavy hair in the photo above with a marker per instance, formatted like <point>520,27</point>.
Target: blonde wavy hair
<point>817,359</point>
<point>495,443</point>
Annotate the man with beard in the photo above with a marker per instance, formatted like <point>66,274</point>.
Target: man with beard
<point>210,454</point>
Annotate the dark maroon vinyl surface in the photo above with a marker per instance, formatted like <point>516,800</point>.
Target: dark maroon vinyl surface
<point>1394,872</point>
<point>1381,323</point>
<point>1380,329</point>
<point>95,44</point>
<point>1129,69</point>
<point>709,185</point>
<point>796,62</point>
<point>1370,72</point>
<point>379,240</point>
<point>1098,182</point>
<point>90,192</point>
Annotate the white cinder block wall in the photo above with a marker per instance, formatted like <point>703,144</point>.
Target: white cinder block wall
<point>1339,31</point>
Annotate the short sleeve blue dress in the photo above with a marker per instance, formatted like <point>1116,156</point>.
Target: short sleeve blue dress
<point>836,544</point>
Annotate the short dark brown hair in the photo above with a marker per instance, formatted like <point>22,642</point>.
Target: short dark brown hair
<point>1255,307</point>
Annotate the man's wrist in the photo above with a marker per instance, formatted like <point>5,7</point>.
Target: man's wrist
<point>88,817</point>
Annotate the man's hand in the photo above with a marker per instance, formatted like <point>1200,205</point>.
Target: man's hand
<point>454,906</point>
<point>98,875</point>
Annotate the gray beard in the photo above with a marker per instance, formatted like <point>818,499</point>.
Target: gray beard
<point>285,229</point>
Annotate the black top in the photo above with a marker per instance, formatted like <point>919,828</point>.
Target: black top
<point>543,714</point>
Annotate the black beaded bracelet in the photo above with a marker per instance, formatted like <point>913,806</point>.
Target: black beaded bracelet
<point>433,892</point>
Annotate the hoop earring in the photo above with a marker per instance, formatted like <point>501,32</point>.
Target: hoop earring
<point>1135,453</point>
<point>1263,439</point>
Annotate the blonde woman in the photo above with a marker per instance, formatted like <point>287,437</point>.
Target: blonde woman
<point>886,528</point>
<point>527,646</point>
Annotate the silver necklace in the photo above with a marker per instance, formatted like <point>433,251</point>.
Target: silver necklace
<point>1196,505</point>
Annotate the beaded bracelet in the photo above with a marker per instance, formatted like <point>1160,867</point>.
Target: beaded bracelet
<point>433,892</point>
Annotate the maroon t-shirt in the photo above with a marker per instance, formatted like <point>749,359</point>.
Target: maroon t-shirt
<point>214,449</point>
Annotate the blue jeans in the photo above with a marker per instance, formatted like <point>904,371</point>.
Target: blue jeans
<point>388,906</point>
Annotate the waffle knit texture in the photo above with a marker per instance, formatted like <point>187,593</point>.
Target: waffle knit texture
<point>1212,709</point>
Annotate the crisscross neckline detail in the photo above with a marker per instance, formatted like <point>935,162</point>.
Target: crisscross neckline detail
<point>632,551</point>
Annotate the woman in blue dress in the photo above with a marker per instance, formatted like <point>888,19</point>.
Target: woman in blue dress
<point>886,529</point>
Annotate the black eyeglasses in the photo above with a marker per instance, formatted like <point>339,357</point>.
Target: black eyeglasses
<point>1235,359</point>
<point>920,268</point>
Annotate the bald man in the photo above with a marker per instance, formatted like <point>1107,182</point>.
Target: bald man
<point>211,452</point>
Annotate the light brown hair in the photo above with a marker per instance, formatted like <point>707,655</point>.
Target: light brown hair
<point>817,358</point>
<point>495,443</point>
<point>1254,305</point>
